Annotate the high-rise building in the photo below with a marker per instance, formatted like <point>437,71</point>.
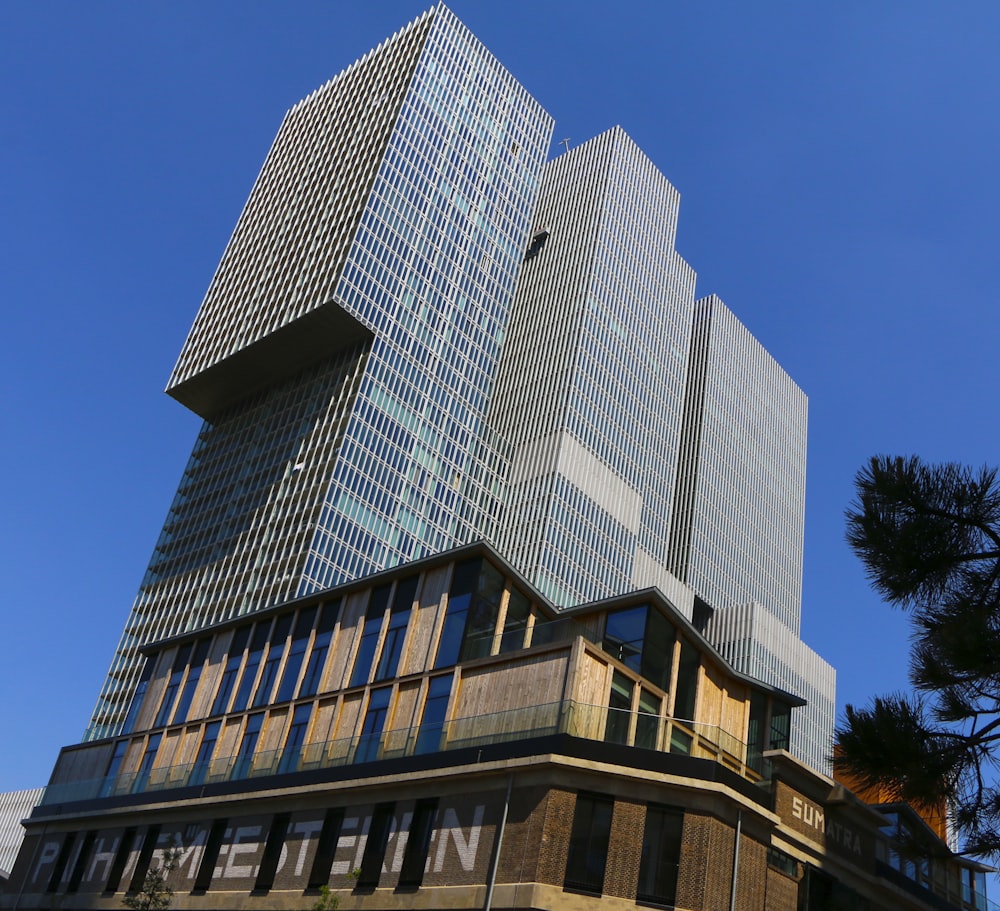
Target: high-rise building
<point>739,516</point>
<point>344,355</point>
<point>591,386</point>
<point>401,352</point>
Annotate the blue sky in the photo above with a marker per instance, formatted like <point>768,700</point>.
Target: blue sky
<point>838,171</point>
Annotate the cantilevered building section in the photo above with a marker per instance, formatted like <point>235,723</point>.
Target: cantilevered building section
<point>739,517</point>
<point>345,352</point>
<point>591,384</point>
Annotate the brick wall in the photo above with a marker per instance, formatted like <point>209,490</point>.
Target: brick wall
<point>625,850</point>
<point>554,847</point>
<point>782,892</point>
<point>706,865</point>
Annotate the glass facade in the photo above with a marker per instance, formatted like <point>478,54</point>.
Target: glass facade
<point>345,353</point>
<point>591,387</point>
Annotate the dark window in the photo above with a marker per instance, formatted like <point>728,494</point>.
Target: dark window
<point>418,843</point>
<point>111,775</point>
<point>647,722</point>
<point>274,653</point>
<point>321,647</point>
<point>755,732</point>
<point>149,841</point>
<point>61,860</point>
<point>642,639</point>
<point>783,862</point>
<point>687,682</point>
<point>173,685</point>
<point>463,585</point>
<point>781,720</point>
<point>369,635</point>
<point>233,662</point>
<point>515,622</point>
<point>588,843</point>
<point>371,731</point>
<point>292,753</point>
<point>378,838</point>
<point>435,706</point>
<point>76,877</point>
<point>319,875</point>
<point>483,614</point>
<point>623,636</point>
<point>140,694</point>
<point>191,684</point>
<point>202,762</point>
<point>619,709</point>
<point>661,854</point>
<point>213,846</point>
<point>296,652</point>
<point>146,763</point>
<point>252,665</point>
<point>272,852</point>
<point>244,758</point>
<point>121,858</point>
<point>399,618</point>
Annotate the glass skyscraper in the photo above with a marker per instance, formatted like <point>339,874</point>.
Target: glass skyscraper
<point>739,516</point>
<point>344,355</point>
<point>421,334</point>
<point>591,386</point>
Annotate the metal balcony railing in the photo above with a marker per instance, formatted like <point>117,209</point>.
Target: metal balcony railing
<point>591,722</point>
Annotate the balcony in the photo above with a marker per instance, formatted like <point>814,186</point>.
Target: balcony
<point>579,720</point>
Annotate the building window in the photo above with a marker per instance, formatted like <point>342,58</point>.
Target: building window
<point>291,756</point>
<point>173,684</point>
<point>213,847</point>
<point>296,654</point>
<point>619,709</point>
<point>319,874</point>
<point>149,841</point>
<point>233,662</point>
<point>588,843</point>
<point>661,854</point>
<point>251,667</point>
<point>111,775</point>
<point>457,612</point>
<point>783,862</point>
<point>274,654</point>
<point>122,853</point>
<point>395,634</point>
<point>146,763</point>
<point>140,694</point>
<point>313,676</point>
<point>418,843</point>
<point>83,855</point>
<point>191,684</point>
<point>244,758</point>
<point>369,742</point>
<point>199,771</point>
<point>515,622</point>
<point>642,639</point>
<point>272,852</point>
<point>430,736</point>
<point>378,838</point>
<point>687,682</point>
<point>647,722</point>
<point>369,635</point>
<point>482,622</point>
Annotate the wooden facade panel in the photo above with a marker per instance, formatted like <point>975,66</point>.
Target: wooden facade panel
<point>407,702</point>
<point>425,621</point>
<point>345,643</point>
<point>526,681</point>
